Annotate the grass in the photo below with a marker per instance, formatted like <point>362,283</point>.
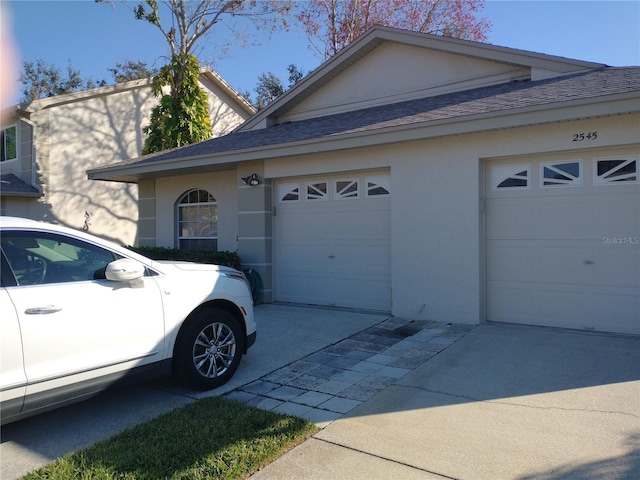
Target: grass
<point>213,438</point>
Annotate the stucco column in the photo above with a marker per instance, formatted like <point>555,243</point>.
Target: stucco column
<point>255,226</point>
<point>146,235</point>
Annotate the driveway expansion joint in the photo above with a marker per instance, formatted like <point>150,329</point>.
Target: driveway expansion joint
<point>369,454</point>
<point>329,383</point>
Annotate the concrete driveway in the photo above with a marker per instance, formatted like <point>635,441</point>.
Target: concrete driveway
<point>504,402</point>
<point>285,334</point>
<point>498,402</point>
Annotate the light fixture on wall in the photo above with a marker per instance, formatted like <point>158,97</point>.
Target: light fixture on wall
<point>251,180</point>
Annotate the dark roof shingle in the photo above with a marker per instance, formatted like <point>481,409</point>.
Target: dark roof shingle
<point>11,184</point>
<point>485,100</point>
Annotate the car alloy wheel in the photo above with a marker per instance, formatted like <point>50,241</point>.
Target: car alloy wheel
<point>214,350</point>
<point>209,349</point>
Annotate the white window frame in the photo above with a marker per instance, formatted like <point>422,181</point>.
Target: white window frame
<point>285,189</point>
<point>513,167</point>
<point>577,182</point>
<point>310,198</point>
<point>599,181</point>
<point>352,180</point>
<point>382,181</point>
<point>183,207</point>
<point>4,143</point>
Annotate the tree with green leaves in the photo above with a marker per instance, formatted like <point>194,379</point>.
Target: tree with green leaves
<point>130,70</point>
<point>182,116</point>
<point>42,80</point>
<point>271,87</point>
<point>185,26</point>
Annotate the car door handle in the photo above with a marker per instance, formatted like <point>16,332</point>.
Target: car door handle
<point>42,310</point>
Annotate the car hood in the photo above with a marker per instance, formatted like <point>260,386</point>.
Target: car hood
<point>195,267</point>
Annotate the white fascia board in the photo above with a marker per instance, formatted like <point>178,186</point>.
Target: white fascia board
<point>67,98</point>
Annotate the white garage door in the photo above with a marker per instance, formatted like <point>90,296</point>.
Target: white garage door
<point>332,241</point>
<point>563,242</point>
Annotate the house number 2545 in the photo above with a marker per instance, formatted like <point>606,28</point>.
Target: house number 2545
<point>581,137</point>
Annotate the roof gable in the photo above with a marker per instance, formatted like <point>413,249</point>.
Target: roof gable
<point>366,73</point>
<point>209,79</point>
<point>397,72</point>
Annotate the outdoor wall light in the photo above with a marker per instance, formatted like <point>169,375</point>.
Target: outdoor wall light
<point>251,180</point>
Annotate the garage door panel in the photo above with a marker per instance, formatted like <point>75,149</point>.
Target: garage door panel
<point>305,226</point>
<point>580,263</point>
<point>567,257</point>
<point>609,211</point>
<point>344,242</point>
<point>313,254</point>
<point>562,262</point>
<point>616,266</point>
<point>312,290</point>
<point>533,304</point>
<point>509,219</point>
<point>509,261</point>
<point>371,293</point>
<point>364,259</point>
<point>613,310</point>
<point>510,303</point>
<point>563,218</point>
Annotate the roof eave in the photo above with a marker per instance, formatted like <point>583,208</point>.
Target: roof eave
<point>229,90</point>
<point>4,193</point>
<point>619,104</point>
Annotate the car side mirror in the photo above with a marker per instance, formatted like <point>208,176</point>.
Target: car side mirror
<point>124,270</point>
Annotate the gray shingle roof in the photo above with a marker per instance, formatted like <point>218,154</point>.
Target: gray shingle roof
<point>11,184</point>
<point>457,105</point>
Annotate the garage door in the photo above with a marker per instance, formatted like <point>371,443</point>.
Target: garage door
<point>332,241</point>
<point>563,242</point>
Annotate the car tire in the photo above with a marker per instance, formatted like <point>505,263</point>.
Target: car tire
<point>209,349</point>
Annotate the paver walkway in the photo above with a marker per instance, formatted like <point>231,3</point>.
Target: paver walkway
<point>325,385</point>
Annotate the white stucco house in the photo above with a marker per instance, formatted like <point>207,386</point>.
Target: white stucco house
<point>49,144</point>
<point>430,177</point>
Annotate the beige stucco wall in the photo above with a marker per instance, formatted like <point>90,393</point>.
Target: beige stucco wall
<point>74,137</point>
<point>407,72</point>
<point>436,219</point>
<point>222,185</point>
<point>225,112</point>
<point>77,132</point>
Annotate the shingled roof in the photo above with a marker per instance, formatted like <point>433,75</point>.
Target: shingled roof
<point>11,185</point>
<point>451,107</point>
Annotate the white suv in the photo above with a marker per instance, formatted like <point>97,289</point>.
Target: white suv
<point>79,314</point>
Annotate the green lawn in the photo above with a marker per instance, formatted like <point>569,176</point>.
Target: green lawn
<point>213,438</point>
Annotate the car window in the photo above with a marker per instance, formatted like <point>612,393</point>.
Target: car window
<point>39,257</point>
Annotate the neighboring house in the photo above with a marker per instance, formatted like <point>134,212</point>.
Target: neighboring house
<point>51,143</point>
<point>430,177</point>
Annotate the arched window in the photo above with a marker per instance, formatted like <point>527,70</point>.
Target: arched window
<point>197,221</point>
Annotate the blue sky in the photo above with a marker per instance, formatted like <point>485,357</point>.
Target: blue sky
<point>94,37</point>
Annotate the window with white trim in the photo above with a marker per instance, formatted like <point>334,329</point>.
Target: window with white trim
<point>510,177</point>
<point>197,221</point>
<point>316,191</point>
<point>348,188</point>
<point>561,174</point>
<point>378,185</point>
<point>289,192</point>
<point>9,144</point>
<point>615,170</point>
